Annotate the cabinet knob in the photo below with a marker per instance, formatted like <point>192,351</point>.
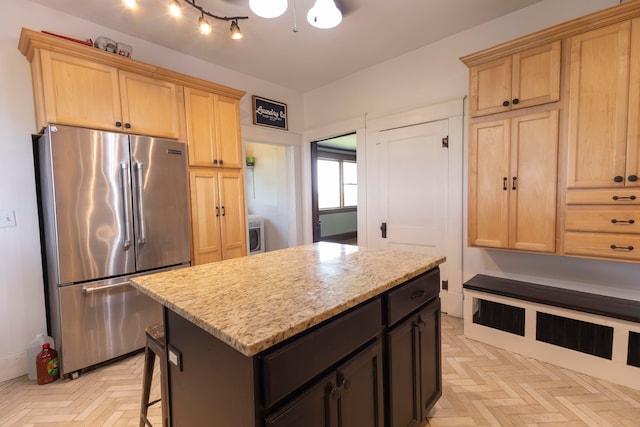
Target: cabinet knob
<point>127,126</point>
<point>515,101</point>
<point>118,124</point>
<point>335,393</point>
<point>220,161</point>
<point>345,383</point>
<point>215,161</point>
<point>505,104</point>
<point>618,178</point>
<point>632,178</point>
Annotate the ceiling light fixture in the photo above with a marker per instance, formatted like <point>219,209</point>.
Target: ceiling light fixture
<point>175,9</point>
<point>268,8</point>
<point>236,34</point>
<point>324,14</point>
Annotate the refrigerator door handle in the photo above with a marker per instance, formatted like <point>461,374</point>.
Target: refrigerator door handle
<point>143,234</point>
<point>126,200</point>
<point>90,290</point>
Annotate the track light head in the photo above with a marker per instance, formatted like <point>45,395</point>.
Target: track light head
<point>204,26</point>
<point>175,8</point>
<point>236,34</point>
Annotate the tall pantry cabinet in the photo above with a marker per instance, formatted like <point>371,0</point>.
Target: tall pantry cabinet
<point>78,85</point>
<point>215,176</point>
<point>555,168</point>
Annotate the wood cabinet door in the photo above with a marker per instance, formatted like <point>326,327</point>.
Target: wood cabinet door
<point>533,183</point>
<point>361,390</point>
<point>149,106</point>
<point>232,215</point>
<point>201,127</point>
<point>489,179</point>
<point>597,111</point>
<point>430,356</point>
<point>228,126</point>
<point>490,87</point>
<point>79,92</point>
<point>633,134</point>
<point>205,216</point>
<point>536,76</point>
<point>403,365</point>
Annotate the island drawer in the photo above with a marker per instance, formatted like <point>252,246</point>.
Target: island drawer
<point>289,367</point>
<point>412,295</point>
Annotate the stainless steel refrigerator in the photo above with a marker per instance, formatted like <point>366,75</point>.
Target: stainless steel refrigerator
<point>111,206</point>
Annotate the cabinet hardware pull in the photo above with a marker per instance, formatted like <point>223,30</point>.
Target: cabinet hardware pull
<point>616,221</point>
<point>127,126</point>
<point>624,197</point>
<point>118,124</point>
<point>221,161</point>
<point>417,294</point>
<point>217,211</point>
<point>618,178</point>
<point>335,393</point>
<point>504,183</point>
<point>345,383</point>
<point>223,211</point>
<point>625,248</point>
<point>215,161</point>
<point>513,184</point>
<point>515,101</point>
<point>632,178</point>
<point>505,104</point>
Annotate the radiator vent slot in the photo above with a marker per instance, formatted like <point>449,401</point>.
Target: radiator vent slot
<point>633,354</point>
<point>577,335</point>
<point>495,315</point>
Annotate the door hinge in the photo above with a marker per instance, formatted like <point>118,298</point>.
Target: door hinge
<point>445,142</point>
<point>445,285</point>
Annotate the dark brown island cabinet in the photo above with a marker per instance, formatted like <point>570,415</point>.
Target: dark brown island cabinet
<point>377,364</point>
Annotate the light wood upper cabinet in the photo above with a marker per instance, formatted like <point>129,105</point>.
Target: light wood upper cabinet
<point>527,78</point>
<point>150,106</point>
<point>84,93</point>
<point>512,182</point>
<point>598,107</point>
<point>79,92</point>
<point>213,129</point>
<point>217,215</point>
<point>633,133</point>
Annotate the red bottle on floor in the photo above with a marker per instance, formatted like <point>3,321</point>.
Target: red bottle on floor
<point>47,365</point>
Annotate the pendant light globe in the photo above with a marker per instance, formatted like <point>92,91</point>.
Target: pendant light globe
<point>324,14</point>
<point>268,8</point>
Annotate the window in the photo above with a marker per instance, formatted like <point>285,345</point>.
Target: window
<point>337,183</point>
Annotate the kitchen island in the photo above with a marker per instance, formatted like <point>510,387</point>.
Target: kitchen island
<point>323,334</point>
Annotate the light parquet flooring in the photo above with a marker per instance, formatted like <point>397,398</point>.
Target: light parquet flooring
<point>482,386</point>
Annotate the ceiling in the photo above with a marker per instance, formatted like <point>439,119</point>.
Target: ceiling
<point>372,31</point>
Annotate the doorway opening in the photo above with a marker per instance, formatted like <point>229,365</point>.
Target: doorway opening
<point>334,189</point>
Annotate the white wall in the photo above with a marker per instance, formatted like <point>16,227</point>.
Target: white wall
<point>21,290</point>
<point>434,73</point>
<point>266,191</point>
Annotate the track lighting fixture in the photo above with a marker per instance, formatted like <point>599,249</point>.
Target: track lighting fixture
<point>236,34</point>
<point>175,9</point>
<point>204,26</point>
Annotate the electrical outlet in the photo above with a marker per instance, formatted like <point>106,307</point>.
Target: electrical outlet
<point>7,219</point>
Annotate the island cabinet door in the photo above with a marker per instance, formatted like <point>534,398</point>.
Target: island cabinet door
<point>349,396</point>
<point>430,356</point>
<point>414,366</point>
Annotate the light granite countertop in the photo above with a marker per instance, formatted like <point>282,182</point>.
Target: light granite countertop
<point>254,302</point>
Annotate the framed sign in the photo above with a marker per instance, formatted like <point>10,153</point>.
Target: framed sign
<point>269,113</point>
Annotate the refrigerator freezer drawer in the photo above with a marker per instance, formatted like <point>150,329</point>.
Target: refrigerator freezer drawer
<point>100,321</point>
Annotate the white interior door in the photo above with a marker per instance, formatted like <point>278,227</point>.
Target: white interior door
<point>413,188</point>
